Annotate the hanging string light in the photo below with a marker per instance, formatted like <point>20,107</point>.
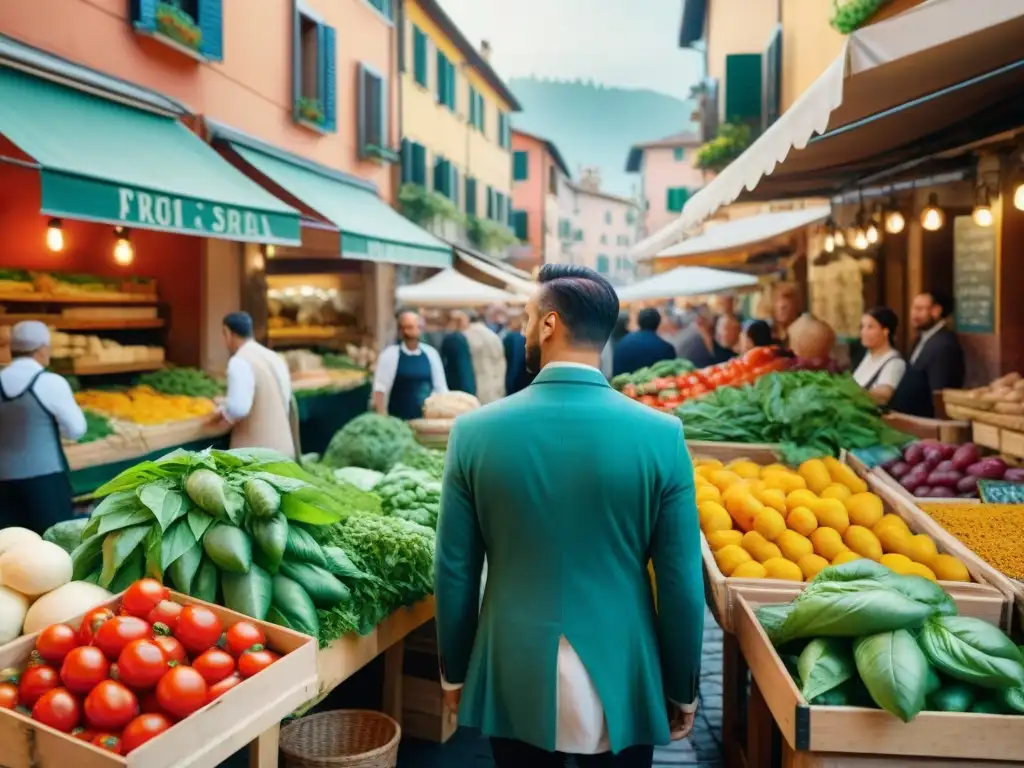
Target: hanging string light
<point>982,213</point>
<point>55,236</point>
<point>932,216</point>
<point>124,252</point>
<point>830,235</point>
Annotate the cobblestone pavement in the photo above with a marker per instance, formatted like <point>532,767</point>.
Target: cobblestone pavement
<point>703,748</point>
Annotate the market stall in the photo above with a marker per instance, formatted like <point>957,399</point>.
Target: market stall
<point>450,289</point>
<point>686,281</point>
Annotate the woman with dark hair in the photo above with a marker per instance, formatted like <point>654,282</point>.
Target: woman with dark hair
<point>882,367</point>
<point>756,333</point>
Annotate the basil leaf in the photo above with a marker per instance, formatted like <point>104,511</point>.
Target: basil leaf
<point>131,571</point>
<point>165,504</point>
<point>973,651</point>
<point>824,664</point>
<point>87,557</point>
<point>154,541</point>
<point>177,540</point>
<point>199,521</point>
<point>894,670</point>
<point>117,547</point>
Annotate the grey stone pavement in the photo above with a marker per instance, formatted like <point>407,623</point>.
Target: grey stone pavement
<point>703,747</point>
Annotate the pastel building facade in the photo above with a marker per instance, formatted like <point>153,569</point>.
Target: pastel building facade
<point>668,178</point>
<point>538,172</point>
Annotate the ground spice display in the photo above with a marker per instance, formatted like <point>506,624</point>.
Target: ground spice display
<point>995,532</point>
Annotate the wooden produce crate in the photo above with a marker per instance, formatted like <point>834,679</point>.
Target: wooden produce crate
<point>424,715</point>
<point>855,737</point>
<point>759,453</point>
<point>943,430</point>
<point>159,437</point>
<point>125,444</point>
<point>203,740</point>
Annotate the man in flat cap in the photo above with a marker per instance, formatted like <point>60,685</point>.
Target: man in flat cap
<point>37,409</point>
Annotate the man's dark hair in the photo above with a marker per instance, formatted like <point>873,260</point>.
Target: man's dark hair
<point>649,319</point>
<point>239,323</point>
<point>585,302</point>
<point>759,333</point>
<point>945,302</point>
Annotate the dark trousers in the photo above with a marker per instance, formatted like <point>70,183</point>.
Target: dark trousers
<point>36,503</point>
<point>516,754</point>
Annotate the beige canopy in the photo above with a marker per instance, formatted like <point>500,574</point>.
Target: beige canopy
<point>933,78</point>
<point>450,289</point>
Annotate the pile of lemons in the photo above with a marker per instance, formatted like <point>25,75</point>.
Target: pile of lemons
<point>776,523</point>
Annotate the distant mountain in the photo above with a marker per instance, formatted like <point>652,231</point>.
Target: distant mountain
<point>593,125</point>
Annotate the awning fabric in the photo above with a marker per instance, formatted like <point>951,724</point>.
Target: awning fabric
<point>371,230</point>
<point>453,289</point>
<point>510,281</point>
<point>747,232</point>
<point>105,161</point>
<point>686,281</point>
<point>933,78</point>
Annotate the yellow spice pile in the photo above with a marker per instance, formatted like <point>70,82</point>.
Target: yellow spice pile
<point>995,532</point>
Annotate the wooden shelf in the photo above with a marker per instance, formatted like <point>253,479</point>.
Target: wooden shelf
<point>31,297</point>
<point>62,323</point>
<point>107,369</point>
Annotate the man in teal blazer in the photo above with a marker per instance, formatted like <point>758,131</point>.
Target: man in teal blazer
<point>568,489</point>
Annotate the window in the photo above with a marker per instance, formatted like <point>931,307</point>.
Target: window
<point>553,180</point>
<point>443,177</point>
<point>414,163</point>
<point>520,224</point>
<point>602,264</point>
<point>384,7</point>
<point>504,131</point>
<point>604,239</point>
<point>477,110</point>
<point>521,165</point>
<point>445,81</point>
<point>490,202</point>
<point>578,235</point>
<point>500,214</point>
<point>420,55</point>
<point>470,196</point>
<point>678,154</point>
<point>631,216</point>
<point>195,25</point>
<point>607,217</point>
<point>743,88</point>
<point>564,229</point>
<point>677,197</point>
<point>373,115</point>
<point>314,71</point>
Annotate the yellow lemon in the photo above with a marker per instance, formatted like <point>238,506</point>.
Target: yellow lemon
<point>713,464</point>
<point>785,481</point>
<point>811,565</point>
<point>772,497</point>
<point>831,513</point>
<point>920,549</point>
<point>865,509</point>
<point>815,474</point>
<point>744,468</point>
<point>719,539</point>
<point>769,523</point>
<point>759,547</point>
<point>802,520</point>
<point>730,557</point>
<point>862,541</point>
<point>713,517</point>
<point>920,569</point>
<point>843,473</point>
<point>780,568</point>
<point>894,538</point>
<point>896,562</point>
<point>836,491</point>
<point>800,498</point>
<point>706,470</point>
<point>736,490</point>
<point>827,542</point>
<point>708,492</point>
<point>742,508</point>
<point>723,478</point>
<point>775,467</point>
<point>845,556</point>
<point>793,545</point>
<point>751,570</point>
<point>948,568</point>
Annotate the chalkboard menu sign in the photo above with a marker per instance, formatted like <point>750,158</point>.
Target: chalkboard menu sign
<point>974,276</point>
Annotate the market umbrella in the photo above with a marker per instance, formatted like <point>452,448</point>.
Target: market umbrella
<point>686,281</point>
<point>450,289</point>
<point>922,82</point>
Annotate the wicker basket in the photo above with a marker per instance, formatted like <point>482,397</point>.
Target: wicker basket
<point>347,738</point>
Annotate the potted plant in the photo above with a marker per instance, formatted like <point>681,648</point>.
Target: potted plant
<point>177,24</point>
<point>311,110</point>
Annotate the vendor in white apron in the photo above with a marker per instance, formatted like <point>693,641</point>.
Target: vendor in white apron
<point>259,398</point>
<point>407,373</point>
<point>37,408</point>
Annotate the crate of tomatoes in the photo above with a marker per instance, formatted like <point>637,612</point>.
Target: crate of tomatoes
<point>152,679</point>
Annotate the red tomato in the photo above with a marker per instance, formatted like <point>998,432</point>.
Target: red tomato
<point>8,695</point>
<point>55,642</point>
<point>142,729</point>
<point>93,620</point>
<point>214,665</point>
<point>35,682</point>
<point>141,664</point>
<point>115,634</point>
<point>58,709</point>
<point>255,660</point>
<point>198,628</point>
<point>143,596</point>
<point>84,668</point>
<point>148,704</point>
<point>107,741</point>
<point>219,689</point>
<point>241,636</point>
<point>629,390</point>
<point>110,706</point>
<point>83,734</point>
<point>166,612</point>
<point>181,692</point>
<point>649,400</point>
<point>172,648</point>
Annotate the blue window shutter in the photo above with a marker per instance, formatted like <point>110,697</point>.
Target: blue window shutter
<point>472,106</point>
<point>521,166</point>
<point>743,88</point>
<point>144,15</point>
<point>296,61</point>
<point>211,24</point>
<point>406,154</point>
<point>361,127</point>
<point>419,54</point>
<point>329,77</point>
<point>455,185</point>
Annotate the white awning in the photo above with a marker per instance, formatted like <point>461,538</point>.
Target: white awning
<point>451,289</point>
<point>747,232</point>
<point>899,86</point>
<point>511,282</point>
<point>686,281</point>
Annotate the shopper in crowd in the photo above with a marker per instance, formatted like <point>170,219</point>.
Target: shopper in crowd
<point>455,355</point>
<point>258,404</point>
<point>37,409</point>
<point>785,311</point>
<point>567,655</point>
<point>496,318</point>
<point>756,333</point>
<point>697,343</point>
<point>408,372</point>
<point>882,367</point>
<point>517,378</point>
<point>488,355</point>
<point>642,347</point>
<point>608,353</point>
<point>727,337</point>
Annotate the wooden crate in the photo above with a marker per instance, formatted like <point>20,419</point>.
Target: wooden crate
<point>203,740</point>
<point>759,453</point>
<point>985,435</point>
<point>943,430</point>
<point>424,715</point>
<point>838,737</point>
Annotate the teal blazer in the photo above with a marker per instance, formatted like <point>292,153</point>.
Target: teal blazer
<point>569,488</point>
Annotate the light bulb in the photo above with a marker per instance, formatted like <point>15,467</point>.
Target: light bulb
<point>270,251</point>
<point>840,238</point>
<point>894,222</point>
<point>830,243</point>
<point>872,234</point>
<point>124,253</point>
<point>1018,197</point>
<point>54,236</point>
<point>932,217</point>
<point>982,216</point>
<point>860,239</point>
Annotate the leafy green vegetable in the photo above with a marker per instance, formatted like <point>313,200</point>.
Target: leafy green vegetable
<point>428,460</point>
<point>182,381</point>
<point>263,498</point>
<point>249,593</point>
<point>363,479</point>
<point>294,605</point>
<point>117,548</point>
<point>411,494</point>
<point>204,586</point>
<point>209,492</point>
<point>270,537</point>
<point>341,565</point>
<point>133,569</point>
<point>824,664</point>
<point>67,534</point>
<point>301,546</point>
<point>229,548</point>
<point>184,569</point>
<point>323,588</point>
<point>167,505</point>
<point>952,698</point>
<point>973,651</point>
<point>371,441</point>
<point>97,426</point>
<point>915,587</point>
<point>1013,699</point>
<point>772,617</point>
<point>894,671</point>
<point>310,505</point>
<point>177,540</point>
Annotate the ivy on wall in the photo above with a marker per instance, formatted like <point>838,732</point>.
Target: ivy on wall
<point>849,15</point>
<point>729,144</point>
<point>425,207</point>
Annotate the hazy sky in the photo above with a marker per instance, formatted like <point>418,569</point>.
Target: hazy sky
<point>627,43</point>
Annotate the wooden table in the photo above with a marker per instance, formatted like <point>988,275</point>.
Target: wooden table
<point>346,656</point>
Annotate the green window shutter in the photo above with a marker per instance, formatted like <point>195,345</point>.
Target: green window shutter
<point>143,15</point>
<point>678,154</point>
<point>442,79</point>
<point>470,196</point>
<point>384,6</point>
<point>743,88</point>
<point>211,24</point>
<point>602,264</point>
<point>472,106</point>
<point>521,166</point>
<point>296,61</point>
<point>453,185</point>
<point>452,97</point>
<point>329,77</point>
<point>772,73</point>
<point>372,125</point>
<point>419,164</point>
<point>578,235</point>
<point>406,155</point>
<point>481,113</point>
<point>520,223</point>
<point>419,56</point>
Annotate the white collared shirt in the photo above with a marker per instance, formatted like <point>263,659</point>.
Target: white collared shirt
<point>242,385</point>
<point>925,338</point>
<point>387,368</point>
<point>582,729</point>
<point>53,391</point>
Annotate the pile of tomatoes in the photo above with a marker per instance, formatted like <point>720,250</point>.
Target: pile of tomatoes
<point>668,393</point>
<point>120,680</point>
